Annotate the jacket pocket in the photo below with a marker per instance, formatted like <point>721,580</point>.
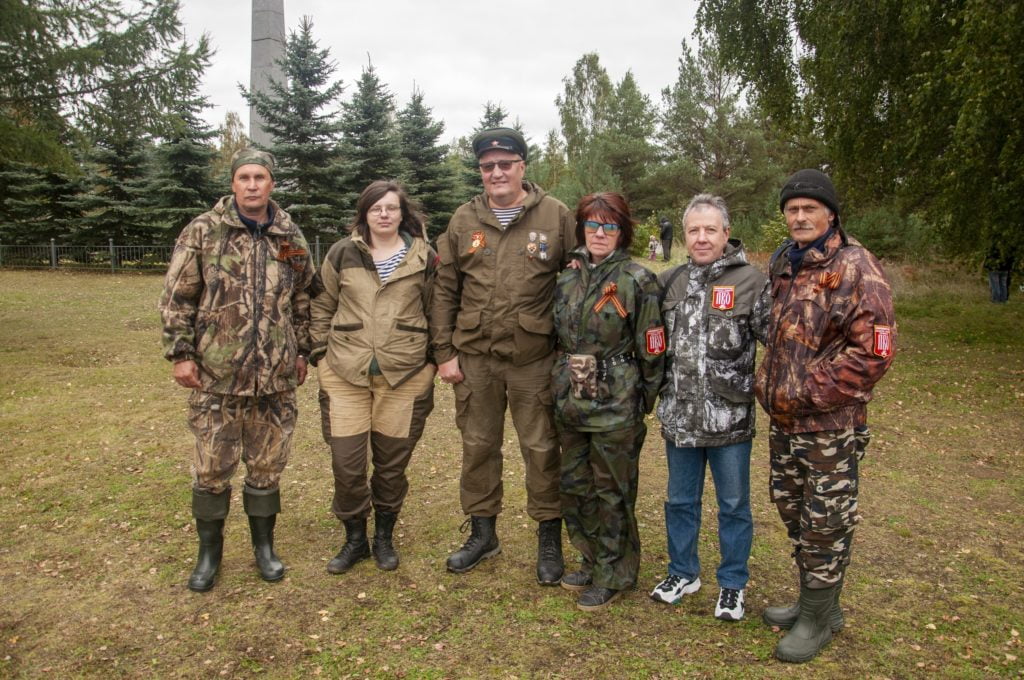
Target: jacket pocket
<point>726,339</point>
<point>736,388</point>
<point>347,327</point>
<point>411,329</point>
<point>467,328</point>
<point>534,337</point>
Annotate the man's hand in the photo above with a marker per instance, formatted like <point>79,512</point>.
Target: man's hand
<point>450,372</point>
<point>186,374</point>
<point>301,368</point>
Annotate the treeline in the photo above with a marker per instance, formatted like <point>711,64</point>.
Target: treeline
<point>914,108</point>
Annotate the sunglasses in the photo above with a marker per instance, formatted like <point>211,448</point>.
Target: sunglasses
<point>592,227</point>
<point>504,166</point>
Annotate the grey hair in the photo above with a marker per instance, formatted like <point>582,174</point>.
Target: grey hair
<point>701,201</point>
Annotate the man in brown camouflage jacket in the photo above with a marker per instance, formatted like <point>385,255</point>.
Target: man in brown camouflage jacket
<point>235,312</point>
<point>831,337</point>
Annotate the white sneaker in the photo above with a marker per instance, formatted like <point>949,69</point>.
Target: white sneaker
<point>730,605</point>
<point>672,589</point>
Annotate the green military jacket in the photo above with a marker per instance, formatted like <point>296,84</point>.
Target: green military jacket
<point>238,306</point>
<point>630,349</point>
<point>357,318</point>
<point>494,285</point>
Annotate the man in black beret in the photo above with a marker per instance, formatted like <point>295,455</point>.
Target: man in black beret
<point>492,334</point>
<point>831,337</point>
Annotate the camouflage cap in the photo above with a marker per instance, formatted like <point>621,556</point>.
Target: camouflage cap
<point>501,139</point>
<point>250,155</point>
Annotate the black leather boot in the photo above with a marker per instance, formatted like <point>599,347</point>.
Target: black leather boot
<point>550,564</point>
<point>210,510</point>
<point>262,506</point>
<point>383,549</point>
<point>481,544</point>
<point>355,548</point>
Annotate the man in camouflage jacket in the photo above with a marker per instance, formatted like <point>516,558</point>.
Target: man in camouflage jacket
<point>235,312</point>
<point>716,309</point>
<point>831,338</point>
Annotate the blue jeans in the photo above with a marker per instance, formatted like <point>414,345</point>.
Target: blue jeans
<point>999,284</point>
<point>730,469</point>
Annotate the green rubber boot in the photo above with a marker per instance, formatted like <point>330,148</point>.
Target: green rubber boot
<point>785,617</point>
<point>811,632</point>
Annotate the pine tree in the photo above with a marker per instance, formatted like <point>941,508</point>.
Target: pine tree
<point>299,117</point>
<point>711,143</point>
<point>59,59</point>
<point>370,144</point>
<point>34,208</point>
<point>181,185</point>
<point>427,176</point>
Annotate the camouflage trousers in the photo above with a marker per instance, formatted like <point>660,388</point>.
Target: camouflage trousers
<point>257,430</point>
<point>388,420</point>
<point>600,471</point>
<point>814,486</point>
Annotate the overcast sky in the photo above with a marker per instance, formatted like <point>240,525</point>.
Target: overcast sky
<point>461,54</point>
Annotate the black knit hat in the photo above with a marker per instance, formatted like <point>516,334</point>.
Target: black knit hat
<point>500,139</point>
<point>810,184</point>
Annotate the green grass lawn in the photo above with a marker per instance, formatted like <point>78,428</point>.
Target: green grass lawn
<point>96,536</point>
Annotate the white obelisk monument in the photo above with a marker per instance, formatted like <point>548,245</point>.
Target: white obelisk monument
<point>267,48</point>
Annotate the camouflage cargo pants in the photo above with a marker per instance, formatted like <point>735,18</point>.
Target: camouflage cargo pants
<point>600,471</point>
<point>229,428</point>
<point>814,486</point>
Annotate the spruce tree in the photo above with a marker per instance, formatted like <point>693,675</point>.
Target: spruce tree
<point>370,143</point>
<point>300,118</point>
<point>181,185</point>
<point>494,116</point>
<point>427,176</point>
<point>34,208</point>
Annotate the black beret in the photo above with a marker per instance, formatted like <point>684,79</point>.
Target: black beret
<point>502,139</point>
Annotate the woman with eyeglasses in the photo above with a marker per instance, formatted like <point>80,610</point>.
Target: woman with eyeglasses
<point>611,345</point>
<point>370,341</point>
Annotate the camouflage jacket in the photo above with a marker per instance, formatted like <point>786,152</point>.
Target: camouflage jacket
<point>831,337</point>
<point>494,286</point>
<point>630,349</point>
<point>238,306</point>
<point>714,316</point>
<point>357,318</point>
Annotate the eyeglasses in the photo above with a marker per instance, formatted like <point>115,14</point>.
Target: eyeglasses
<point>505,166</point>
<point>381,209</point>
<point>592,227</point>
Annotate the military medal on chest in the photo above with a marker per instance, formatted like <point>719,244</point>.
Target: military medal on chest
<point>531,247</point>
<point>477,242</point>
<point>543,245</point>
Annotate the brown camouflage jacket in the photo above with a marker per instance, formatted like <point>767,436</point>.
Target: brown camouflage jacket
<point>238,306</point>
<point>495,285</point>
<point>714,316</point>
<point>831,337</point>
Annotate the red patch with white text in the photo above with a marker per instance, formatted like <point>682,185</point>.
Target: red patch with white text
<point>883,341</point>
<point>656,341</point>
<point>723,297</point>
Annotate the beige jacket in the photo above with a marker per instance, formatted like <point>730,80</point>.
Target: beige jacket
<point>358,318</point>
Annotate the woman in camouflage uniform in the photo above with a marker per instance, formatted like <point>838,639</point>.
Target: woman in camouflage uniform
<point>611,346</point>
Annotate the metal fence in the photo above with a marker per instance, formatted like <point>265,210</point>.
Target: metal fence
<point>111,257</point>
